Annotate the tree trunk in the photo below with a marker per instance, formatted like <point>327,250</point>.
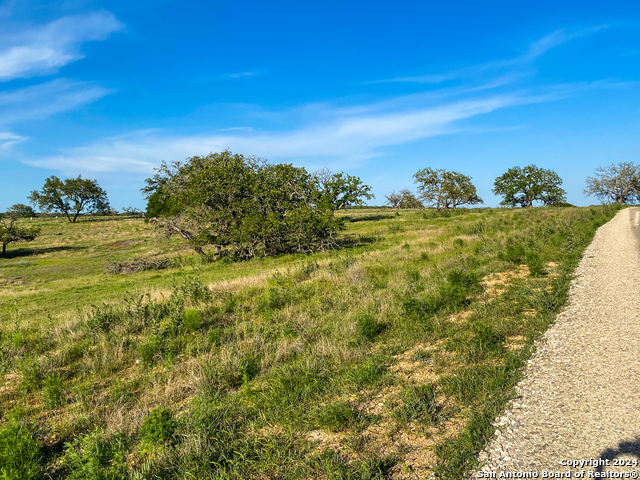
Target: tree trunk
<point>75,217</point>
<point>530,202</point>
<point>4,249</point>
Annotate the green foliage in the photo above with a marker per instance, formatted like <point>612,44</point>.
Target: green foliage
<point>515,253</point>
<point>338,416</point>
<point>159,426</point>
<point>340,190</point>
<point>368,326</point>
<point>20,454</point>
<point>53,393</point>
<point>192,320</point>
<point>97,457</point>
<point>13,232</point>
<point>247,207</point>
<point>442,189</point>
<point>536,264</point>
<point>70,197</point>
<point>404,199</point>
<point>148,350</point>
<point>19,210</point>
<point>523,186</point>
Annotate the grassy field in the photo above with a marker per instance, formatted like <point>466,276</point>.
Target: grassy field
<point>385,358</point>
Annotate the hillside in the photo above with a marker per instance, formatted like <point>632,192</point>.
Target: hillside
<point>386,358</point>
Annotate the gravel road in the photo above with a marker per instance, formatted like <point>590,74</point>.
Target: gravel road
<point>580,398</point>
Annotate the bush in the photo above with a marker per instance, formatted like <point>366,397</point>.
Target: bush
<point>159,426</point>
<point>535,264</point>
<point>148,350</point>
<point>368,327</point>
<point>192,320</point>
<point>515,253</point>
<point>20,455</point>
<point>96,457</point>
<point>53,394</point>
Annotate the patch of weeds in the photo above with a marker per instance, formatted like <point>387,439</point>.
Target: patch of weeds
<point>368,327</point>
<point>515,253</point>
<point>96,456</point>
<point>421,355</point>
<point>370,372</point>
<point>192,320</point>
<point>338,417</point>
<point>20,454</point>
<point>159,427</point>
<point>419,403</point>
<point>424,256</point>
<point>458,243</point>
<point>395,228</point>
<point>215,336</point>
<point>406,246</point>
<point>486,337</point>
<point>32,375</point>
<point>149,350</point>
<point>333,466</point>
<point>536,264</point>
<point>53,394</point>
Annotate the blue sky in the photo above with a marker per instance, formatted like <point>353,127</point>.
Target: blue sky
<point>377,89</point>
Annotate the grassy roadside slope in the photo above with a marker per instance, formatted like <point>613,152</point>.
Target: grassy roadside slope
<point>386,359</point>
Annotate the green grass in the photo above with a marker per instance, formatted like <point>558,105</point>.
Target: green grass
<point>338,365</point>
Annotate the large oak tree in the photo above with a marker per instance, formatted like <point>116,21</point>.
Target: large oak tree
<point>521,186</point>
<point>439,189</point>
<point>70,197</point>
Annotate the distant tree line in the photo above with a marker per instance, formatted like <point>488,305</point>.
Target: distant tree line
<point>247,207</point>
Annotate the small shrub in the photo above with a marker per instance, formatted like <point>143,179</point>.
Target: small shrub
<point>215,336</point>
<point>535,264</point>
<point>368,327</point>
<point>159,426</point>
<point>458,243</point>
<point>515,253</point>
<point>424,256</point>
<point>148,350</point>
<point>368,373</point>
<point>192,320</point>
<point>96,457</point>
<point>32,376</point>
<point>53,394</point>
<point>20,455</point>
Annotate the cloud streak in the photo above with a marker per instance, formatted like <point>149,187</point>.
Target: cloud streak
<point>40,101</point>
<point>535,50</point>
<point>45,49</point>
<point>342,139</point>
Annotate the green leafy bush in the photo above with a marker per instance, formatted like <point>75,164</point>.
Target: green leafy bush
<point>97,457</point>
<point>368,327</point>
<point>192,320</point>
<point>53,394</point>
<point>536,264</point>
<point>159,426</point>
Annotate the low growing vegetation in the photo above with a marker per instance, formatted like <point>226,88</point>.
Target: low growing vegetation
<point>388,357</point>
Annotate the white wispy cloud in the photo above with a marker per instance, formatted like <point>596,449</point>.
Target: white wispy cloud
<point>8,139</point>
<point>43,49</point>
<point>40,101</point>
<point>535,50</point>
<point>341,140</point>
